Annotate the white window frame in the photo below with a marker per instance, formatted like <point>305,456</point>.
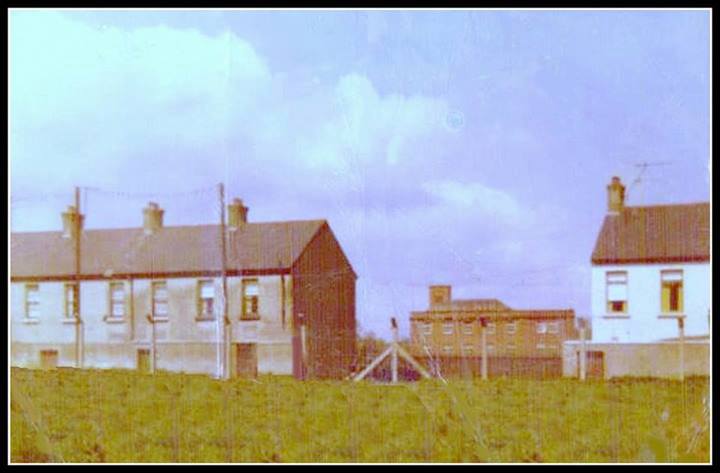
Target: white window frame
<point>426,328</point>
<point>448,328</point>
<point>490,329</point>
<point>205,283</point>
<point>616,282</point>
<point>69,306</point>
<point>553,327</point>
<point>541,327</point>
<point>113,301</point>
<point>35,303</point>
<point>246,313</point>
<point>670,276</point>
<point>467,328</point>
<point>154,301</point>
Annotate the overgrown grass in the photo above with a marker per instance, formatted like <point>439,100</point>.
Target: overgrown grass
<point>124,416</point>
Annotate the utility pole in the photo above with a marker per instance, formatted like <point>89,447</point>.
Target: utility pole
<point>153,358</point>
<point>583,351</point>
<point>394,354</point>
<point>76,296</point>
<point>483,348</point>
<point>226,326</point>
<point>681,337</point>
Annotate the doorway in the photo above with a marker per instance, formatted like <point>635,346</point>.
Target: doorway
<point>246,360</point>
<point>143,360</point>
<point>48,359</point>
<point>594,364</point>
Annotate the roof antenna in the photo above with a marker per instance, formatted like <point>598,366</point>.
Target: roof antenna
<point>643,167</point>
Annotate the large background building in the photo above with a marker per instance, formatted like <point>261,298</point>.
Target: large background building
<point>518,341</point>
<point>151,297</point>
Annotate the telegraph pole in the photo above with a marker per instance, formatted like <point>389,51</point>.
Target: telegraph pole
<point>226,326</point>
<point>483,348</point>
<point>76,289</point>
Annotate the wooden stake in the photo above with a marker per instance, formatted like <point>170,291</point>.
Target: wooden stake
<point>681,336</point>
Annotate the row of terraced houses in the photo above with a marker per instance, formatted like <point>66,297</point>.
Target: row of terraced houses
<point>243,298</point>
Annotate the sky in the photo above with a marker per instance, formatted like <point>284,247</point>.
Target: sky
<point>470,148</point>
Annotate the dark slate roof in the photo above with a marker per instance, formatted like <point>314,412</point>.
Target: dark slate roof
<point>257,247</point>
<point>655,234</point>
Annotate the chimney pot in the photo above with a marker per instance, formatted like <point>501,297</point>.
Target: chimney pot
<point>616,196</point>
<point>237,214</point>
<point>71,221</point>
<point>152,218</point>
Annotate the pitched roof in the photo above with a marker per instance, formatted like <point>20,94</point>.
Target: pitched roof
<point>655,234</point>
<point>182,249</point>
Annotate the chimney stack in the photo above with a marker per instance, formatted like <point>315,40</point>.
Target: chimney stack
<point>152,218</point>
<point>440,295</point>
<point>237,214</point>
<point>72,220</point>
<point>616,196</point>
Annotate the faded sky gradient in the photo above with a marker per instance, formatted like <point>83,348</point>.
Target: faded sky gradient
<point>463,147</point>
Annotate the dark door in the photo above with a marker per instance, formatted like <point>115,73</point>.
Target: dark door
<point>594,364</point>
<point>246,360</point>
<point>143,360</point>
<point>48,359</point>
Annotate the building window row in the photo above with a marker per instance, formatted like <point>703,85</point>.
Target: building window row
<point>547,327</point>
<point>117,305</point>
<point>671,291</point>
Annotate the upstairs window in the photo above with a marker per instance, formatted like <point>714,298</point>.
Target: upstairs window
<point>490,327</point>
<point>250,299</point>
<point>467,328</point>
<point>427,328</point>
<point>206,299</point>
<point>117,300</point>
<point>159,300</point>
<point>32,301</point>
<point>672,291</point>
<point>541,327</point>
<point>70,297</point>
<point>511,327</point>
<point>553,327</point>
<point>616,292</point>
<point>448,328</point>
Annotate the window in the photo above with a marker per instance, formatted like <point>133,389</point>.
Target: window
<point>447,349</point>
<point>427,328</point>
<point>206,299</point>
<point>540,346</point>
<point>511,327</point>
<point>448,328</point>
<point>250,299</point>
<point>117,300</point>
<point>32,301</point>
<point>541,327</point>
<point>160,300</point>
<point>490,327</point>
<point>511,347</point>
<point>616,292</point>
<point>672,291</point>
<point>553,327</point>
<point>70,293</point>
<point>490,347</point>
<point>468,349</point>
<point>467,328</point>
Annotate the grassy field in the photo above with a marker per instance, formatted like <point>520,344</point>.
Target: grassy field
<point>123,416</point>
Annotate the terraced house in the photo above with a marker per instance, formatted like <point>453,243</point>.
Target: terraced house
<point>153,297</point>
<point>449,333</point>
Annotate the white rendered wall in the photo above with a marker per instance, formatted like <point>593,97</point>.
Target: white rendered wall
<point>644,321</point>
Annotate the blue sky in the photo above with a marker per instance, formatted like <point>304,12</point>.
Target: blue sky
<point>469,148</point>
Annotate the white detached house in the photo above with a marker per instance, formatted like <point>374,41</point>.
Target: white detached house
<point>650,273</point>
<point>650,266</point>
